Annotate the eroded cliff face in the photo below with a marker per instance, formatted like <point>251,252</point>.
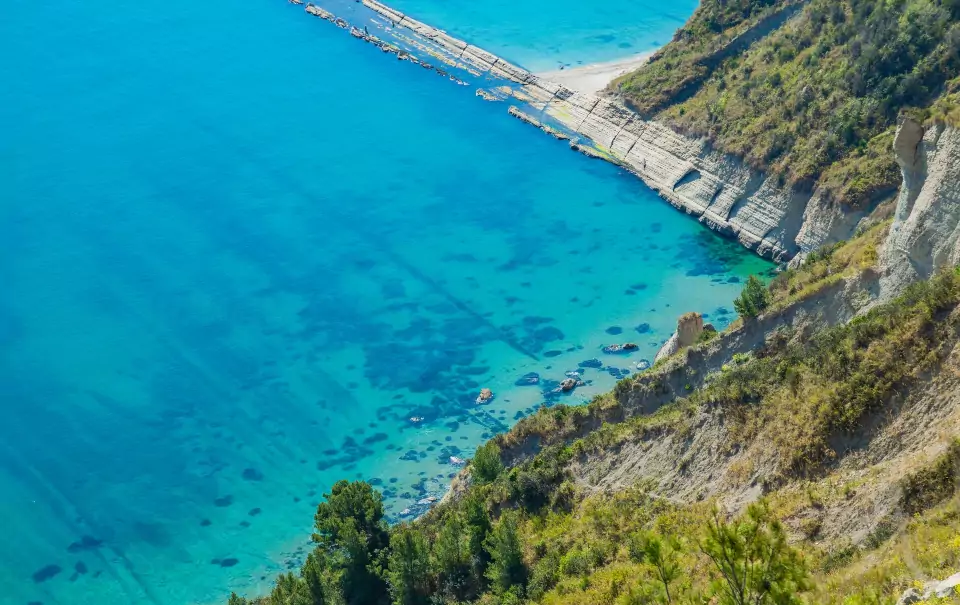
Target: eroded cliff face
<point>719,189</point>
<point>716,187</point>
<point>925,234</point>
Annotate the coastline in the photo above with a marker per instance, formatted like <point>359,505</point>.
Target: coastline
<point>594,78</point>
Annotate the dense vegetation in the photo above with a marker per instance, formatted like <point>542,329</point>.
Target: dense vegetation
<point>816,100</point>
<point>525,533</point>
<point>463,555</point>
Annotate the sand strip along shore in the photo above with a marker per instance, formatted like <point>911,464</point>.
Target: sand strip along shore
<point>595,77</point>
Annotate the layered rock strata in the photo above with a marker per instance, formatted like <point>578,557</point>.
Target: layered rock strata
<point>717,188</point>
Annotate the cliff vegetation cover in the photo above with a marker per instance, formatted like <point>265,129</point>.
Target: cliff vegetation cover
<point>813,99</point>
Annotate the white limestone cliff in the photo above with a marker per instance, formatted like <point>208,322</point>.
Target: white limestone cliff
<point>719,189</point>
<point>925,235</point>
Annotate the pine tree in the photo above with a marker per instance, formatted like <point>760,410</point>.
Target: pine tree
<point>236,600</point>
<point>290,590</point>
<point>478,527</point>
<point>352,535</point>
<point>408,567</point>
<point>486,465</point>
<point>506,569</point>
<point>753,299</point>
<point>452,560</point>
<point>755,564</point>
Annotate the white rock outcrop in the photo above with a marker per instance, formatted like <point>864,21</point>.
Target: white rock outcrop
<point>925,234</point>
<point>932,590</point>
<point>689,329</point>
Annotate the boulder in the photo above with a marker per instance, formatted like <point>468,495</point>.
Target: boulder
<point>932,590</point>
<point>626,347</point>
<point>689,328</point>
<point>912,595</point>
<point>944,588</point>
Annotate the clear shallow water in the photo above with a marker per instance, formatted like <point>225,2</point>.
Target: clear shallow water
<point>242,249</point>
<point>540,35</point>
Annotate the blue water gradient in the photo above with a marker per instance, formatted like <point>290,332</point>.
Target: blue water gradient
<point>242,249</point>
<point>541,35</point>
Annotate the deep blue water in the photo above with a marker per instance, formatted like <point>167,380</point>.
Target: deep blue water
<point>241,250</point>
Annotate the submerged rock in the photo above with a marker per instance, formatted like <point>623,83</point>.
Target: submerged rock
<point>620,348</point>
<point>529,379</point>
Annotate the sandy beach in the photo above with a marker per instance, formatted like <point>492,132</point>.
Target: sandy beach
<point>595,77</point>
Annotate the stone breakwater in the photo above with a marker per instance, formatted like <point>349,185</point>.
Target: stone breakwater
<point>717,188</point>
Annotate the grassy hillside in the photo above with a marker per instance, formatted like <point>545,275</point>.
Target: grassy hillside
<point>544,531</point>
<point>815,100</point>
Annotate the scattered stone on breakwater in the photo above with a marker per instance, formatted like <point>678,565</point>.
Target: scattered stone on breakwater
<point>316,11</point>
<point>557,134</point>
<point>487,95</point>
<point>523,117</point>
<point>366,36</point>
<point>591,153</point>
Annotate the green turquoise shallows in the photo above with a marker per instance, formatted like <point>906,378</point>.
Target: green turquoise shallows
<point>242,250</point>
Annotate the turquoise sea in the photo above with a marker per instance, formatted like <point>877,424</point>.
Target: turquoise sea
<point>242,250</point>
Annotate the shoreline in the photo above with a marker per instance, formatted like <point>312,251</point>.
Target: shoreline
<point>594,78</point>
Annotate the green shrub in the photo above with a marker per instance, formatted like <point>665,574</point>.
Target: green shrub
<point>753,299</point>
<point>545,575</point>
<point>755,564</point>
<point>932,485</point>
<point>575,563</point>
<point>486,464</point>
